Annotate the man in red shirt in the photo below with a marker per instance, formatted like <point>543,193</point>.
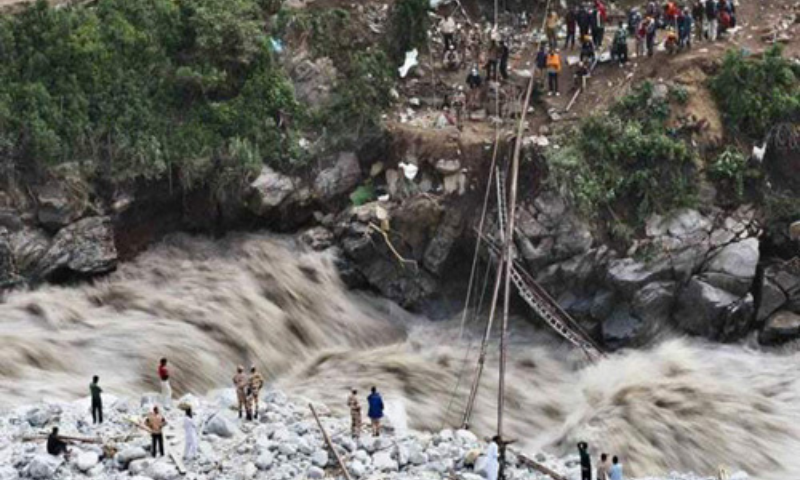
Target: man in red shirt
<point>166,389</point>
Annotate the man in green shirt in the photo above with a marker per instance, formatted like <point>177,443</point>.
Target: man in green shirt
<point>97,400</point>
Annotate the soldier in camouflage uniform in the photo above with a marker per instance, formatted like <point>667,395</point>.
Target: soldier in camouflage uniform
<point>355,413</point>
<point>254,384</point>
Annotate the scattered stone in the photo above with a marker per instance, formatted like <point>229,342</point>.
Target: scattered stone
<point>339,179</point>
<point>220,426</point>
<point>43,467</point>
<point>780,327</point>
<point>87,460</point>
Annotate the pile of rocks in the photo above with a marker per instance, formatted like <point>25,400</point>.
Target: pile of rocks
<point>285,443</point>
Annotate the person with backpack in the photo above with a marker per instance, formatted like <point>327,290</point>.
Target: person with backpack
<point>553,70</point>
<point>97,400</point>
<point>619,48</point>
<point>375,410</point>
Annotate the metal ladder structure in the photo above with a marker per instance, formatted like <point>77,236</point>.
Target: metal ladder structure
<point>534,294</point>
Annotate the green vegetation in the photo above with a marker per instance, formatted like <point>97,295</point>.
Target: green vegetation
<point>624,165</point>
<point>756,93</point>
<point>363,194</point>
<point>408,28</point>
<point>731,170</point>
<point>191,89</point>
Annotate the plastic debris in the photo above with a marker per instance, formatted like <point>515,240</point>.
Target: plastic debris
<point>411,61</point>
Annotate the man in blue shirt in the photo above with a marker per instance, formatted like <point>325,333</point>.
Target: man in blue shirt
<point>375,411</point>
<point>616,469</point>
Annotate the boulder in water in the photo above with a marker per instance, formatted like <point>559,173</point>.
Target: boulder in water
<point>780,327</point>
<point>85,247</point>
<point>772,298</point>
<point>701,308</point>
<point>733,267</point>
<point>58,205</point>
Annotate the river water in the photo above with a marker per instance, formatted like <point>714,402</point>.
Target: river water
<point>258,299</point>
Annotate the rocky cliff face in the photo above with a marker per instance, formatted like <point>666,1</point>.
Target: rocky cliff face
<point>698,272</point>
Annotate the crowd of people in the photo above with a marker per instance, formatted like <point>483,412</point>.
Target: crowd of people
<point>485,50</point>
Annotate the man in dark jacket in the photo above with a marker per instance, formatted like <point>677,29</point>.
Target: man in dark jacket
<point>97,400</point>
<point>584,21</point>
<point>572,24</point>
<point>711,19</point>
<point>55,445</point>
<point>598,27</point>
<point>375,412</point>
<point>586,461</point>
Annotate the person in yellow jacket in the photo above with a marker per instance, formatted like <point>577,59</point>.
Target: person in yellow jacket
<point>553,69</point>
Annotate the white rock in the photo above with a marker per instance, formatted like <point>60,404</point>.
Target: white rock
<point>383,461</point>
<point>43,466</point>
<point>466,437</point>
<point>39,416</point>
<point>161,470</point>
<point>357,469</point>
<point>87,460</point>
<point>220,426</point>
<point>249,470</point>
<point>320,458</point>
<point>418,458</point>
<point>265,460</point>
<point>288,449</point>
<point>140,466</point>
<point>315,473</point>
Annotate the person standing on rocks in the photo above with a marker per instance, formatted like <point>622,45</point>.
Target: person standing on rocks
<point>166,388</point>
<point>55,445</point>
<point>553,69</point>
<point>155,424</point>
<point>97,400</point>
<point>190,435</point>
<point>355,413</point>
<point>603,467</point>
<point>492,463</point>
<point>615,473</point>
<point>551,28</point>
<point>586,461</point>
<point>240,383</point>
<point>375,411</point>
<point>254,384</point>
<point>572,24</point>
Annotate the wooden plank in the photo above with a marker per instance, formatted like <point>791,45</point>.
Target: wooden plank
<point>539,467</point>
<point>330,444</point>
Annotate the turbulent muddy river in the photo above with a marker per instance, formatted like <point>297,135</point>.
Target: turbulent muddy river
<point>211,305</point>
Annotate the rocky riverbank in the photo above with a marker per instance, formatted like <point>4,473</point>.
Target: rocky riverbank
<point>285,443</point>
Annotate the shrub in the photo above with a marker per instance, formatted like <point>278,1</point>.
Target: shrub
<point>755,94</point>
<point>408,27</point>
<point>623,165</point>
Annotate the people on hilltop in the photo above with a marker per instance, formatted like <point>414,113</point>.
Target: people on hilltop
<point>619,48</point>
<point>615,472</point>
<point>166,388</point>
<point>459,105</point>
<point>584,21</point>
<point>254,385</point>
<point>448,29</point>
<point>97,400</point>
<point>685,21</point>
<point>155,422</point>
<point>56,445</point>
<point>586,461</point>
<point>355,413</point>
<point>375,412</point>
<point>191,436</point>
<point>603,467</point>
<point>597,24</point>
<point>474,82</point>
<point>240,384</point>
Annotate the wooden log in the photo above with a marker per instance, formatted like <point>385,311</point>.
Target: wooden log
<point>35,438</point>
<point>539,467</point>
<point>330,444</point>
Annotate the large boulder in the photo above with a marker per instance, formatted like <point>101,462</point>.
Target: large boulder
<point>702,308</point>
<point>628,275</point>
<point>43,467</point>
<point>654,302</point>
<point>685,223</point>
<point>220,426</point>
<point>771,299</point>
<point>780,327</point>
<point>8,269</point>
<point>28,247</point>
<point>129,454</point>
<point>621,328</point>
<point>733,267</point>
<point>313,80</point>
<point>339,179</point>
<point>58,204</point>
<point>85,247</point>
<point>269,190</point>
<point>438,249</point>
<point>87,460</point>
